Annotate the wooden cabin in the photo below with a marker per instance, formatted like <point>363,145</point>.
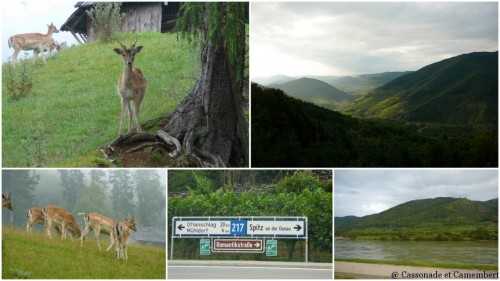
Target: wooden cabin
<point>137,17</point>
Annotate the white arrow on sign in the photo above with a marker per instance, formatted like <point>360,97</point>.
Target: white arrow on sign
<point>201,227</point>
<point>278,228</point>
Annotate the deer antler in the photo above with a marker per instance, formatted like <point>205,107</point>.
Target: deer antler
<point>123,46</point>
<point>133,45</point>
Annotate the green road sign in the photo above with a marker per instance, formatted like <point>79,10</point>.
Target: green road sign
<point>205,247</point>
<point>271,248</point>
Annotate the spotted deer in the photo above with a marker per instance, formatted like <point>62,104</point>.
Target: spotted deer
<point>121,234</point>
<point>102,224</point>
<point>35,215</point>
<point>59,216</point>
<point>131,86</point>
<point>6,201</point>
<point>30,41</point>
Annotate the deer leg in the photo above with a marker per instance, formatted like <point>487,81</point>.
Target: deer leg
<point>130,113</point>
<point>125,251</point>
<point>48,226</point>
<point>40,47</point>
<point>96,237</point>
<point>84,232</point>
<point>124,115</point>
<point>136,115</point>
<point>14,56</point>
<point>112,240</point>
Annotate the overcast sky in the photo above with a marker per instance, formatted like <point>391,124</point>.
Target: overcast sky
<point>364,192</point>
<point>33,16</point>
<point>354,38</point>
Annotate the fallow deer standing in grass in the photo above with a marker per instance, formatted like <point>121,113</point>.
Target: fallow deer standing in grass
<point>47,48</point>
<point>31,41</point>
<point>7,203</point>
<point>121,234</point>
<point>131,86</point>
<point>104,225</point>
<point>61,217</point>
<point>35,216</point>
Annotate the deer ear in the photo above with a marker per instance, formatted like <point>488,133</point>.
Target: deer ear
<point>118,51</point>
<point>138,49</point>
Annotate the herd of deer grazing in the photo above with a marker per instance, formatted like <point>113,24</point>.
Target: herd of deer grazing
<point>131,85</point>
<point>64,221</point>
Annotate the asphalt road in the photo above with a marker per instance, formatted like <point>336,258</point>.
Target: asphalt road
<point>247,270</point>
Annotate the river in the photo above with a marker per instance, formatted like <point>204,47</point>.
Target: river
<point>464,252</point>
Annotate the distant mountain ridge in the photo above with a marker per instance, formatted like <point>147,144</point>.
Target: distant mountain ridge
<point>461,90</point>
<point>315,91</point>
<point>361,84</point>
<point>444,211</point>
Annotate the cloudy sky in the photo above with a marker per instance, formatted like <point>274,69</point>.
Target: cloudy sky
<point>28,16</point>
<point>354,38</point>
<point>364,192</point>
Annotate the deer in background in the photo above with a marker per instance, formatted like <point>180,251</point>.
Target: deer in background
<point>131,86</point>
<point>47,48</point>
<point>7,203</point>
<point>61,217</point>
<point>30,41</point>
<point>35,216</point>
<point>121,234</point>
<point>104,225</point>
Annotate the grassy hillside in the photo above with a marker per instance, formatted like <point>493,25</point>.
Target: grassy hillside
<point>36,256</point>
<point>462,90</point>
<point>315,91</point>
<point>74,107</point>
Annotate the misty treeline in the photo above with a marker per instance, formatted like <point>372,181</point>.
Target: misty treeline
<point>113,193</point>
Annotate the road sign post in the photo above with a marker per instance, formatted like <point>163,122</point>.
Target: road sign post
<point>238,228</point>
<point>271,248</point>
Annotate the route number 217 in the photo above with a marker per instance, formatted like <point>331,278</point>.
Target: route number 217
<point>238,227</point>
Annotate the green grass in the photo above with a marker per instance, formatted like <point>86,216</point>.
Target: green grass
<point>74,107</point>
<point>424,264</point>
<point>36,256</point>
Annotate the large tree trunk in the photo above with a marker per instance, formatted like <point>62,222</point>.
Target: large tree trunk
<point>208,129</point>
<point>209,122</point>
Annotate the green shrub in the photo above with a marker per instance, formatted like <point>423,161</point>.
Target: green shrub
<point>106,19</point>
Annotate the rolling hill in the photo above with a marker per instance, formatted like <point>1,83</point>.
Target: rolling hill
<point>461,90</point>
<point>315,91</point>
<point>441,211</point>
<point>288,132</point>
<point>361,84</point>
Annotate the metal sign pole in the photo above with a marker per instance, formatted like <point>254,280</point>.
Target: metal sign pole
<point>307,241</point>
<point>172,241</point>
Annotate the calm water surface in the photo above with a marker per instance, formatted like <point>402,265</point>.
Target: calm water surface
<point>467,252</point>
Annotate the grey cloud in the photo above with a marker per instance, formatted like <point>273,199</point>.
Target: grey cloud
<point>377,37</point>
<point>392,187</point>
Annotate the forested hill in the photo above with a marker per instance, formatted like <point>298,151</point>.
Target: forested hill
<point>441,211</point>
<point>315,91</point>
<point>461,90</point>
<point>287,132</point>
